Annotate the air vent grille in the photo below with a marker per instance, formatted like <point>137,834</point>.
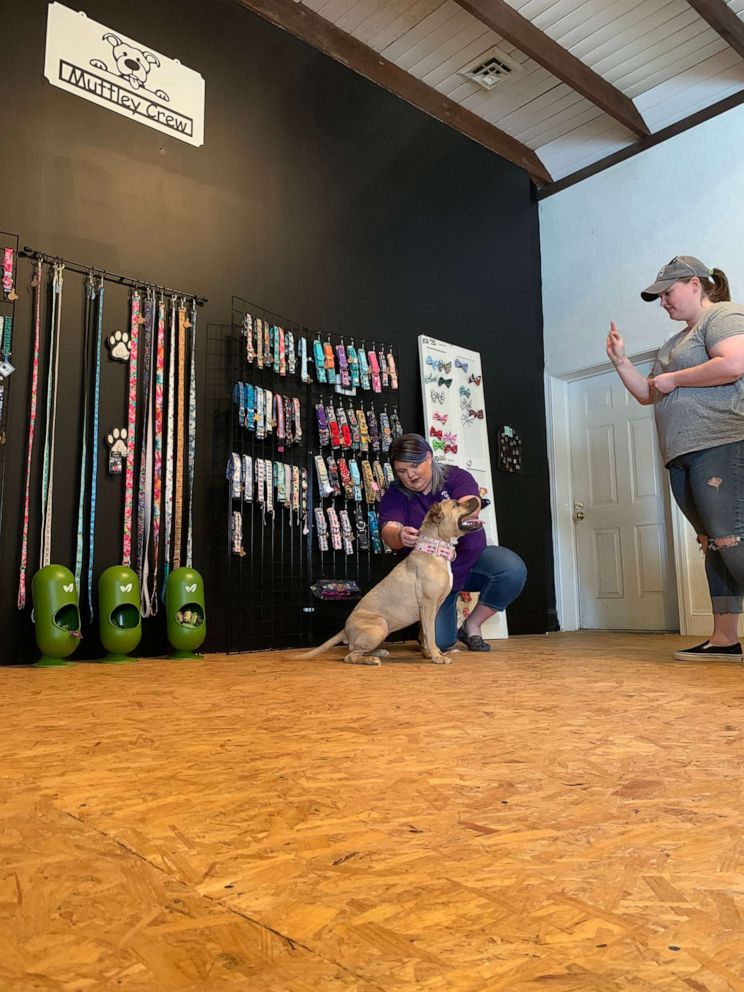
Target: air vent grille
<point>490,68</point>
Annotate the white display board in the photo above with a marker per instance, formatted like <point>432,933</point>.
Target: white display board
<point>453,394</point>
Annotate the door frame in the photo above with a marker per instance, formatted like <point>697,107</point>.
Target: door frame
<point>566,568</point>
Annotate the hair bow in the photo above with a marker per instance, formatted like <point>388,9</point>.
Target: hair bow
<point>435,432</point>
<point>434,362</point>
<point>445,367</point>
<point>431,377</point>
<point>445,382</point>
<point>461,365</point>
<point>464,391</point>
<point>450,437</point>
<point>476,379</point>
<point>438,445</point>
<point>441,417</point>
<point>437,396</point>
<point>476,413</point>
<point>450,449</point>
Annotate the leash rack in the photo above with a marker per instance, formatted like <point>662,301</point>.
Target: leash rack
<point>270,603</point>
<point>7,312</point>
<point>76,381</point>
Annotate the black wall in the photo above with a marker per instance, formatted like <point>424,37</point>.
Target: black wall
<point>315,194</point>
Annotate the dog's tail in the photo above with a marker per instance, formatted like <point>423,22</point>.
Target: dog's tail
<point>336,639</point>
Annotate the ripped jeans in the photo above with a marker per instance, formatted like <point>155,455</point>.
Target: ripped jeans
<point>708,486</point>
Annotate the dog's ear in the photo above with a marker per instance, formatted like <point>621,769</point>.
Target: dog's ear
<point>152,59</point>
<point>112,39</point>
<point>436,513</point>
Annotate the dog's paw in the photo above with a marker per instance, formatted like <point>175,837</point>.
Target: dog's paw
<point>382,653</point>
<point>362,659</point>
<point>440,659</point>
<point>118,342</point>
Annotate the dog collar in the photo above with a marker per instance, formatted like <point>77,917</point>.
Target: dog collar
<point>440,549</point>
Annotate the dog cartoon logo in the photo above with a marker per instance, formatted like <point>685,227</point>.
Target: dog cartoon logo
<point>131,63</point>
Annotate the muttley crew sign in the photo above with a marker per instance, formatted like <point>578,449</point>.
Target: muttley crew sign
<point>105,67</point>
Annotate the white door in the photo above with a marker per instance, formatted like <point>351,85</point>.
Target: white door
<point>622,526</point>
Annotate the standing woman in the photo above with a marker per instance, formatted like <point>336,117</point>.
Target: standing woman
<point>496,573</point>
<point>697,390</point>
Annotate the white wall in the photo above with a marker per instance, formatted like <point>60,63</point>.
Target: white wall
<point>604,239</point>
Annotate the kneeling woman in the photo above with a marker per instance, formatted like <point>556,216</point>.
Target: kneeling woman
<point>496,573</point>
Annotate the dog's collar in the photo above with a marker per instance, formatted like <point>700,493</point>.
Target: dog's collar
<point>438,548</point>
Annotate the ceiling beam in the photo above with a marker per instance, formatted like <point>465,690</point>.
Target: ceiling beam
<point>671,131</point>
<point>512,26</point>
<point>303,23</point>
<point>723,20</point>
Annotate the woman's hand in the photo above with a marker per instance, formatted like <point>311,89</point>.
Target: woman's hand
<point>615,345</point>
<point>664,383</point>
<point>408,536</point>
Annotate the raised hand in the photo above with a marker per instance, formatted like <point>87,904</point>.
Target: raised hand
<point>615,345</point>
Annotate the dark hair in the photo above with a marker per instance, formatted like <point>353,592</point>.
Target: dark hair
<point>716,289</point>
<point>414,448</point>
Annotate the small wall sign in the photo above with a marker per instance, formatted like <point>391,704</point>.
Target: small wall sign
<point>107,68</point>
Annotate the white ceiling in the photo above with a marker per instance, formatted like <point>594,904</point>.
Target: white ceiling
<point>660,54</point>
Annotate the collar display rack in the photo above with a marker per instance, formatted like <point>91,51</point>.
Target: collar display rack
<point>272,553</point>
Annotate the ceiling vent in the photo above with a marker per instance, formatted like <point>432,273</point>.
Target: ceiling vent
<point>490,68</point>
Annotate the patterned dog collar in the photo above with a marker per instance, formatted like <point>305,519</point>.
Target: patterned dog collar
<point>440,549</point>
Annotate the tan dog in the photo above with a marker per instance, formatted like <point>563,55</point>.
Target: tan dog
<point>415,589</point>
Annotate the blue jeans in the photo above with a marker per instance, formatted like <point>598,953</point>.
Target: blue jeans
<point>498,575</point>
<point>708,486</point>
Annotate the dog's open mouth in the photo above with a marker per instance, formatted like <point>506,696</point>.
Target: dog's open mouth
<point>470,523</point>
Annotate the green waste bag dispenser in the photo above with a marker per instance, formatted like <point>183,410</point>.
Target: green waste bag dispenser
<point>120,621</point>
<point>56,615</point>
<point>185,612</point>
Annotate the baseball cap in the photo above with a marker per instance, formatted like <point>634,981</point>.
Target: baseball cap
<point>680,267</point>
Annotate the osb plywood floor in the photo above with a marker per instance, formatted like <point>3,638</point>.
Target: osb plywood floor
<point>564,814</point>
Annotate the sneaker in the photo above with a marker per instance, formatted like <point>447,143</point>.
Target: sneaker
<point>714,651</point>
<point>473,642</point>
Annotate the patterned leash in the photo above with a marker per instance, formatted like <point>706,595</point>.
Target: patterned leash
<point>38,290</point>
<point>192,437</point>
<point>144,489</point>
<point>168,514</point>
<point>178,483</point>
<point>150,599</point>
<point>134,326</point>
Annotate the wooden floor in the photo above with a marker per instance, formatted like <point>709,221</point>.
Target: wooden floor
<point>566,813</point>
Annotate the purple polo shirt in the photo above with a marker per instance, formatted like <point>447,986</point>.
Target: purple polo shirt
<point>409,508</point>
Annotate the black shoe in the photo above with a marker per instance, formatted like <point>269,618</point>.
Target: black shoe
<point>714,651</point>
<point>473,642</point>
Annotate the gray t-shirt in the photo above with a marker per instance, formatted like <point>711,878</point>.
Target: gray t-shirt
<point>694,417</point>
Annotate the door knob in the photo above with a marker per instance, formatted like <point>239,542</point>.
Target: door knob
<point>579,511</point>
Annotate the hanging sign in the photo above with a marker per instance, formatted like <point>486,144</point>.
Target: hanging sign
<point>107,68</point>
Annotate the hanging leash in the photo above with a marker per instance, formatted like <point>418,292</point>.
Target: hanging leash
<point>88,322</point>
<point>38,290</point>
<point>180,404</point>
<point>144,485</point>
<point>47,485</point>
<point>94,447</point>
<point>168,514</point>
<point>192,439</point>
<point>148,599</point>
<point>135,320</point>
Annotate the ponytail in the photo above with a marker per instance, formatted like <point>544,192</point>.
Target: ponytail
<point>717,287</point>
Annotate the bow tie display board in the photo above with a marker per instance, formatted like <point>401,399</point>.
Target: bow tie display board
<point>453,394</point>
<point>304,474</point>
